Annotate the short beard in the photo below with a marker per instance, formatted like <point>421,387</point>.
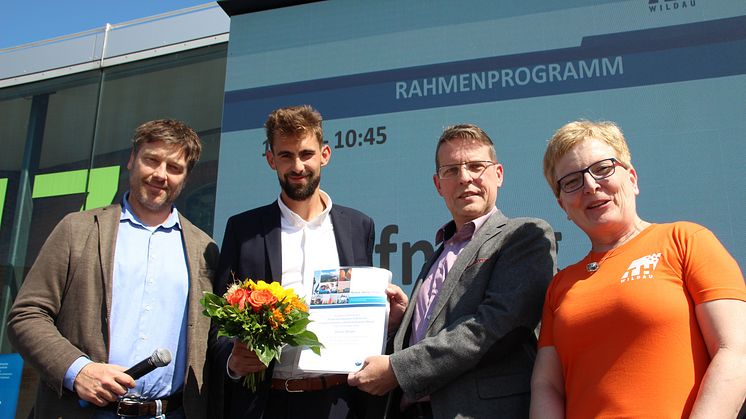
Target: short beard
<point>171,196</point>
<point>300,193</point>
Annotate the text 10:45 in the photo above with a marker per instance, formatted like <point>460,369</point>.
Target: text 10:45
<point>353,137</point>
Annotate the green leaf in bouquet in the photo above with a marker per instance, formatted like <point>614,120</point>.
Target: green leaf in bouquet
<point>212,299</point>
<point>315,349</point>
<point>308,339</point>
<point>213,304</point>
<point>298,327</point>
<point>267,353</point>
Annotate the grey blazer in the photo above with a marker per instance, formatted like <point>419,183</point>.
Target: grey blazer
<point>62,309</point>
<point>479,348</point>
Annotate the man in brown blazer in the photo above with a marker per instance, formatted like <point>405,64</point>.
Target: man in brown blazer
<point>113,284</point>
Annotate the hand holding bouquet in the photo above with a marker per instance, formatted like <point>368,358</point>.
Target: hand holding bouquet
<point>264,317</point>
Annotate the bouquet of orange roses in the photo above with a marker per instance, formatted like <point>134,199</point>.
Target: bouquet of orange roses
<point>264,316</point>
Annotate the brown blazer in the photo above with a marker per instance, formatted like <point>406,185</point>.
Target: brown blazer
<point>62,309</point>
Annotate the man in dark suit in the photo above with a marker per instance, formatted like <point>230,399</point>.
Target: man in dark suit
<point>75,319</point>
<point>466,346</point>
<point>287,241</point>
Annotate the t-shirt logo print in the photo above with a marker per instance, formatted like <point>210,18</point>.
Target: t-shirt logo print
<point>641,268</point>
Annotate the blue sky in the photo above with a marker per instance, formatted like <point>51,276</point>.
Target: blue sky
<point>24,21</point>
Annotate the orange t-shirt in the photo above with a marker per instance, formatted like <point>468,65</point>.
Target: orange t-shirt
<point>627,335</point>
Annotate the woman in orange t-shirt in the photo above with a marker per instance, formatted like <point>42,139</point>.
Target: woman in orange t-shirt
<point>650,322</point>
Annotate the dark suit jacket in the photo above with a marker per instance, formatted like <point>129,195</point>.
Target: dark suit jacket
<point>62,310</point>
<point>252,249</point>
<point>478,352</point>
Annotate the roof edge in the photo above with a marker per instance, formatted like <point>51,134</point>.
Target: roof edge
<point>239,7</point>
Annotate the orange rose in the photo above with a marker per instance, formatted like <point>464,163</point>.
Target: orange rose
<point>260,298</point>
<point>238,297</point>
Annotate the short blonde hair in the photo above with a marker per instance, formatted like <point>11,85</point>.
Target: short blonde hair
<point>573,133</point>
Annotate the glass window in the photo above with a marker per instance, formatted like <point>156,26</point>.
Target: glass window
<point>66,142</point>
<point>54,122</point>
<point>14,114</point>
<point>187,86</point>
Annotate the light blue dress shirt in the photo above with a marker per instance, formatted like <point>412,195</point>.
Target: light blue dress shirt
<point>149,303</point>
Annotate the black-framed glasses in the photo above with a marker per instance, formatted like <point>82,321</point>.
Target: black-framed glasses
<point>473,168</point>
<point>601,169</point>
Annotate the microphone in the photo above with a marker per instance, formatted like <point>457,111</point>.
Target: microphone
<point>160,358</point>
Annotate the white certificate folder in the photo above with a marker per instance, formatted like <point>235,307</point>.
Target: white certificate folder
<point>349,312</point>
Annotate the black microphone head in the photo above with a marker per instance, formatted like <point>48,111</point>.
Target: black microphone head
<point>161,357</point>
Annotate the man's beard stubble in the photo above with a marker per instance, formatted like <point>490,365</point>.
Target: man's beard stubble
<point>155,205</point>
<point>300,192</point>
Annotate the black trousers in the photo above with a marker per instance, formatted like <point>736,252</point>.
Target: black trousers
<point>341,402</point>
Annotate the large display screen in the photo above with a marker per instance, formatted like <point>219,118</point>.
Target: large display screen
<point>388,76</point>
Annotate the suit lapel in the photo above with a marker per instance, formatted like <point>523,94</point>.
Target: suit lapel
<point>192,261</point>
<point>488,230</point>
<point>409,312</point>
<point>342,228</point>
<point>273,242</point>
<point>200,279</point>
<point>193,258</point>
<point>108,226</point>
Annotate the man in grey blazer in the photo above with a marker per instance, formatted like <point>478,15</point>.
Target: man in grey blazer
<point>466,345</point>
<point>113,284</point>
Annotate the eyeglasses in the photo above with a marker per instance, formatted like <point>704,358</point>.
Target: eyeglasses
<point>474,168</point>
<point>601,169</point>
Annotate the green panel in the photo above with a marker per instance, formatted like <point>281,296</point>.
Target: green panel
<point>62,183</point>
<point>3,189</point>
<point>102,187</point>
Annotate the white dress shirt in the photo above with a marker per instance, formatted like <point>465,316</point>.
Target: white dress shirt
<point>307,246</point>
